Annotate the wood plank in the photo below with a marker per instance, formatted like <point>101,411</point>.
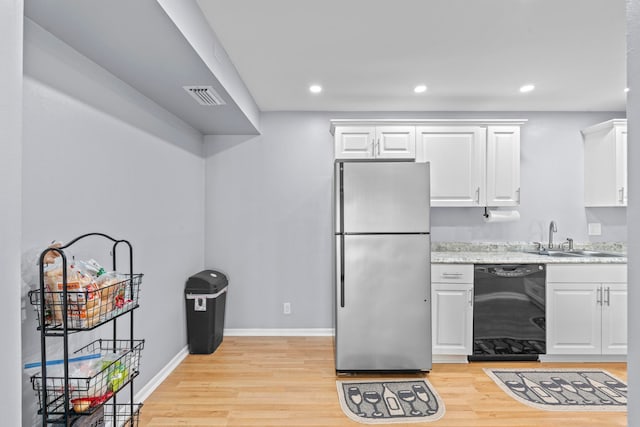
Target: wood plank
<point>290,381</point>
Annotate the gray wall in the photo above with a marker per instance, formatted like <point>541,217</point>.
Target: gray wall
<point>268,221</point>
<point>268,212</point>
<point>85,170</point>
<point>633,109</point>
<point>10,153</point>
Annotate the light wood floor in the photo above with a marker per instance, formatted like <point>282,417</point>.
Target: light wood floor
<point>290,381</point>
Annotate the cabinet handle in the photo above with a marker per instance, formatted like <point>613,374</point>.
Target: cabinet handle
<point>621,194</point>
<point>599,296</point>
<point>607,294</point>
<point>451,274</point>
<point>470,297</point>
<point>478,195</point>
<point>378,146</point>
<point>518,195</point>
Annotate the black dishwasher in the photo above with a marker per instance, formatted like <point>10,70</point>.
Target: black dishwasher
<point>508,312</point>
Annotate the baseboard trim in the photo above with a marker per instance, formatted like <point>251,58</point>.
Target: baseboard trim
<point>583,358</point>
<point>149,387</point>
<point>449,358</point>
<point>295,332</point>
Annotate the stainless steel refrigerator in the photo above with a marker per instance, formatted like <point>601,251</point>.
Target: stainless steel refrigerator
<point>383,266</point>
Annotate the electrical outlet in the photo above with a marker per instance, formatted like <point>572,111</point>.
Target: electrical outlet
<point>594,229</point>
<point>286,308</point>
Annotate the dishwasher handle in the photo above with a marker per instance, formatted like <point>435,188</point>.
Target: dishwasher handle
<point>511,270</point>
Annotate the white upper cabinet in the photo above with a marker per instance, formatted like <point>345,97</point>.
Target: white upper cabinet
<point>396,142</point>
<point>474,162</point>
<point>375,142</point>
<point>605,164</point>
<point>472,165</point>
<point>354,142</point>
<point>456,156</point>
<point>503,166</point>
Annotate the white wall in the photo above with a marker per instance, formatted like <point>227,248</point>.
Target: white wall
<point>268,213</point>
<point>87,170</point>
<point>633,110</point>
<point>10,153</point>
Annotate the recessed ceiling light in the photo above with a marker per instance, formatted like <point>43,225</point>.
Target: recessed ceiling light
<point>527,88</point>
<point>626,89</point>
<point>315,88</point>
<point>420,89</point>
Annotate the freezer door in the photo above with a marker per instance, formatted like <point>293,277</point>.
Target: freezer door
<point>385,197</point>
<point>383,319</point>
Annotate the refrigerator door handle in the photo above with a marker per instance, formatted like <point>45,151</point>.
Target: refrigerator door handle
<point>342,271</point>
<point>341,183</point>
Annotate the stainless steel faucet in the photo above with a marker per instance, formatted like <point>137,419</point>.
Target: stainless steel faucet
<point>552,229</point>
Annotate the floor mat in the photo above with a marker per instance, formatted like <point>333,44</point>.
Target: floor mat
<point>393,401</point>
<point>563,390</point>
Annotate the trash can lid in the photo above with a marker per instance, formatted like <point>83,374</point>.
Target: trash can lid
<point>206,282</point>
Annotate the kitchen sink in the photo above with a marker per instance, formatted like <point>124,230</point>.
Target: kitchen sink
<point>596,253</point>
<point>576,253</point>
<point>555,253</point>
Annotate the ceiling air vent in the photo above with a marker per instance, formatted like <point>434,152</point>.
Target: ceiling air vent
<point>205,95</point>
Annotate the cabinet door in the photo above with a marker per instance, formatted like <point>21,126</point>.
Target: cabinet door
<point>456,154</point>
<point>452,319</point>
<point>614,318</point>
<point>621,164</point>
<point>395,142</point>
<point>605,164</point>
<point>503,166</point>
<point>354,142</point>
<point>573,318</point>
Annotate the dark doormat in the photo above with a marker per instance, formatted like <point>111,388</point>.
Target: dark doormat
<point>563,390</point>
<point>393,401</point>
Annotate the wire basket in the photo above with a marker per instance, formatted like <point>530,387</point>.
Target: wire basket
<point>87,306</point>
<point>108,415</point>
<point>122,415</point>
<point>92,382</point>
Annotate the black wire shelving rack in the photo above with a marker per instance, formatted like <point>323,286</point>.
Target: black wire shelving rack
<point>70,308</point>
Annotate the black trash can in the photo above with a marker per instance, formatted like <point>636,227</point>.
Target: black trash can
<point>205,295</point>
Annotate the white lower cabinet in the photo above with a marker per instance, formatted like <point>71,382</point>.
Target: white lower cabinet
<point>452,309</point>
<point>587,309</point>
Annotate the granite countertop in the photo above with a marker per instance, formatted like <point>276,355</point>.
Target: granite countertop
<point>517,258</point>
<point>514,253</point>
